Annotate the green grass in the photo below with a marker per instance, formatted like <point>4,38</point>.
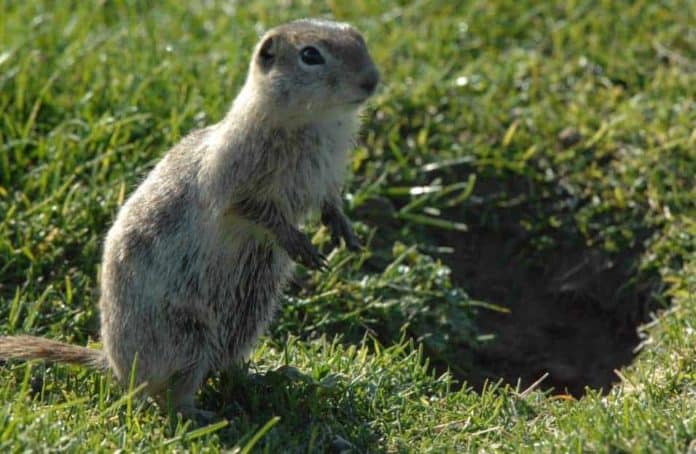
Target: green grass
<point>464,131</point>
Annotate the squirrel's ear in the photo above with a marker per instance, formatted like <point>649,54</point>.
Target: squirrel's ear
<point>267,52</point>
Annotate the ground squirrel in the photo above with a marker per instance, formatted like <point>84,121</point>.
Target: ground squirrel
<point>198,255</point>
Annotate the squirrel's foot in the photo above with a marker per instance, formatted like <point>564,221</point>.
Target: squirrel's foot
<point>197,415</point>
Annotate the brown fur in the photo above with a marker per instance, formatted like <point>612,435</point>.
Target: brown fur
<point>30,347</point>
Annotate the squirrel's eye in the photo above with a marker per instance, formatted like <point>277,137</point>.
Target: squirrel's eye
<point>311,56</point>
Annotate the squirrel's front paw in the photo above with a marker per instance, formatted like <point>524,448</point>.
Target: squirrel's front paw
<point>352,242</point>
<point>301,250</point>
<point>340,227</point>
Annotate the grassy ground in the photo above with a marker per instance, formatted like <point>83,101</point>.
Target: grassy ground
<point>568,123</point>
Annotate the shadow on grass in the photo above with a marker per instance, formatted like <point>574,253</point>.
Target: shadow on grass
<point>315,415</point>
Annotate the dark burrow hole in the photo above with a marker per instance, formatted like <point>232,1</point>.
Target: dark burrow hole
<point>570,310</point>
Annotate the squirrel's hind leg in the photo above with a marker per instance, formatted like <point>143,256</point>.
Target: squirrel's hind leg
<point>180,395</point>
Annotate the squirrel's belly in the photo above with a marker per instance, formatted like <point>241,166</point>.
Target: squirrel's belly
<point>244,296</point>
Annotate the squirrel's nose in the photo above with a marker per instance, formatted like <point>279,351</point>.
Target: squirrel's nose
<point>369,82</point>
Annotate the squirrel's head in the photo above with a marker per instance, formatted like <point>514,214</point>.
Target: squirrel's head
<point>312,69</point>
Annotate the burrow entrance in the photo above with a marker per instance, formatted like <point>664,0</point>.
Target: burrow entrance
<point>569,310</point>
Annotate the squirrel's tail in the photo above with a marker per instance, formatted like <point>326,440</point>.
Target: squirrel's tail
<point>30,347</point>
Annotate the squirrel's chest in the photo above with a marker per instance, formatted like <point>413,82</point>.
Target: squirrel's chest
<point>311,171</point>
